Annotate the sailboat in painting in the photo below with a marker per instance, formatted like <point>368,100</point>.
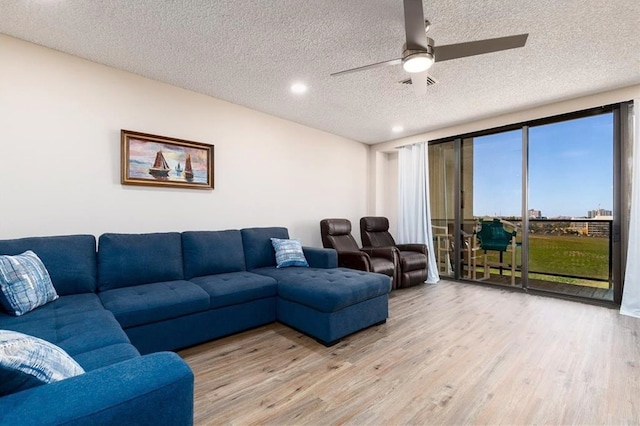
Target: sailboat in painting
<point>160,168</point>
<point>188,171</point>
<point>178,169</point>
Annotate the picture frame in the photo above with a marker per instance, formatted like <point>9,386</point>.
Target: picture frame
<point>152,160</point>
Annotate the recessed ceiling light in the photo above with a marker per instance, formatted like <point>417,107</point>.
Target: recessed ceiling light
<point>299,88</point>
<point>397,129</point>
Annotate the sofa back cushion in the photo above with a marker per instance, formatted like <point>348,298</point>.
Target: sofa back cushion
<point>125,260</point>
<point>70,260</point>
<point>212,252</point>
<point>258,250</point>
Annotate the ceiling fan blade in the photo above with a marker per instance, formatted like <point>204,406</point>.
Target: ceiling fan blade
<point>419,83</point>
<point>479,47</point>
<point>414,25</point>
<point>366,67</point>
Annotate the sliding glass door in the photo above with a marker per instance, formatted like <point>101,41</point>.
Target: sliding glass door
<point>531,206</point>
<point>571,206</point>
<point>442,181</point>
<point>491,206</point>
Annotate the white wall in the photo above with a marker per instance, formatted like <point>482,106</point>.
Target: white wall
<point>385,177</point>
<point>385,203</point>
<point>60,121</point>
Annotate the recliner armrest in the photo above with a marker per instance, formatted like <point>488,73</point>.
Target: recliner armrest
<point>152,389</point>
<point>389,253</point>
<point>420,248</point>
<point>321,257</point>
<point>354,260</point>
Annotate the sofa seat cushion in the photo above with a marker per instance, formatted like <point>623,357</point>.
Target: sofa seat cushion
<point>327,290</point>
<point>65,305</point>
<point>106,355</point>
<point>236,287</point>
<point>411,260</point>
<point>81,326</point>
<point>147,303</point>
<point>74,333</point>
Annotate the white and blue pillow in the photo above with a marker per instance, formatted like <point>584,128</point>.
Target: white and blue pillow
<point>26,362</point>
<point>25,283</point>
<point>288,253</point>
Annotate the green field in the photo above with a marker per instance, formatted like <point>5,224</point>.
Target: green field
<point>575,256</point>
<point>586,257</point>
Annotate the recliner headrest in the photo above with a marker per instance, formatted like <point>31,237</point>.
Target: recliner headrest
<point>335,227</point>
<point>375,223</point>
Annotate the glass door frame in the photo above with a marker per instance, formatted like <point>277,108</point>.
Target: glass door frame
<point>524,250</point>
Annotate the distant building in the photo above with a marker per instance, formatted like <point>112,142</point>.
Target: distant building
<point>535,214</point>
<point>599,212</point>
<point>592,228</point>
<point>599,229</point>
<point>581,228</point>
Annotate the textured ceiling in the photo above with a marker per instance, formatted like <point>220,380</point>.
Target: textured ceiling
<point>249,52</point>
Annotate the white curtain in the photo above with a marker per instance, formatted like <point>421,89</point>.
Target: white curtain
<point>631,294</point>
<point>414,213</point>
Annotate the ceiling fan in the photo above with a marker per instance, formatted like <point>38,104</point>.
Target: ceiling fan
<point>420,52</point>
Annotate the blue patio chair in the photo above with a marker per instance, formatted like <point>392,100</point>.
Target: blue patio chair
<point>492,236</point>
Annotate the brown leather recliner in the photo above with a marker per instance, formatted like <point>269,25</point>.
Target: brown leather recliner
<point>412,260</point>
<point>336,234</point>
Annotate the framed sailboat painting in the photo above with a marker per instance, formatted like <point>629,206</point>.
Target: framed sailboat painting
<point>163,161</point>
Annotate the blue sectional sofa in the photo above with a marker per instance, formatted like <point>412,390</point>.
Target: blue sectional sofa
<point>124,305</point>
<point>119,384</point>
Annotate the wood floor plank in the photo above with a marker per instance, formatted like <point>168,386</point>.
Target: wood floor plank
<point>451,353</point>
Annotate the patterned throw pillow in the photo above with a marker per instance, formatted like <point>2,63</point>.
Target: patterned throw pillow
<point>288,253</point>
<point>26,362</point>
<point>25,283</point>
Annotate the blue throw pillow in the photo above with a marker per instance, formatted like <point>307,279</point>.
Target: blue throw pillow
<point>288,253</point>
<point>25,283</point>
<point>26,361</point>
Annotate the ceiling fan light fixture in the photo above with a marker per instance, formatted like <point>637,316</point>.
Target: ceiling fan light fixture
<point>417,62</point>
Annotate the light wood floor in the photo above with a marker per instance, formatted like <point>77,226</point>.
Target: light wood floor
<point>602,294</point>
<point>450,353</point>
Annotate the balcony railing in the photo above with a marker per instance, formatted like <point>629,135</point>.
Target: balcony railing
<point>566,252</point>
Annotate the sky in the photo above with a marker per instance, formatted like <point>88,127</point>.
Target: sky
<point>570,169</point>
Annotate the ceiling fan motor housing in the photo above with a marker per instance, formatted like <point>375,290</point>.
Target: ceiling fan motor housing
<point>418,60</point>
